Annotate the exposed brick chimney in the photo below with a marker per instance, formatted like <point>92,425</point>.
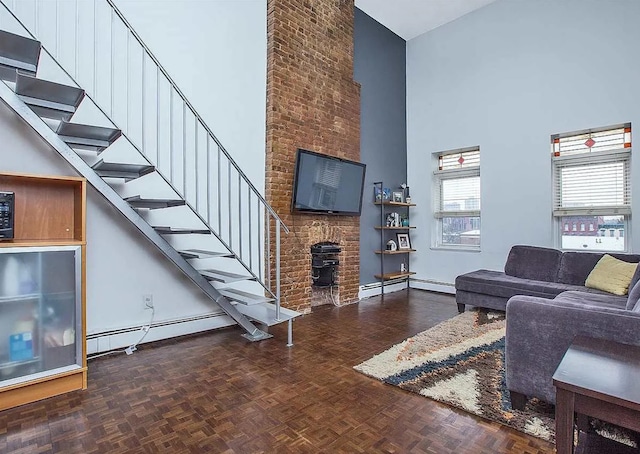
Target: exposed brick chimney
<point>312,103</point>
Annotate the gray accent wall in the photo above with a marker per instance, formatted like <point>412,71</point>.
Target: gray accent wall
<point>506,77</point>
<point>380,69</point>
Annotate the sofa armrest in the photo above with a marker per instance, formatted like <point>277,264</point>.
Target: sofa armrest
<point>539,332</point>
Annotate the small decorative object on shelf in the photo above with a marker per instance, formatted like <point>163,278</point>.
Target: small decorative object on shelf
<point>405,190</point>
<point>391,246</point>
<point>386,194</point>
<point>403,241</point>
<point>393,220</point>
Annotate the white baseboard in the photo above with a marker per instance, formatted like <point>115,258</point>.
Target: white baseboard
<point>102,342</point>
<point>369,290</point>
<point>433,286</point>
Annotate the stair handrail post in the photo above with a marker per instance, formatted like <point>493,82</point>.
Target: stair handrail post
<point>278,227</point>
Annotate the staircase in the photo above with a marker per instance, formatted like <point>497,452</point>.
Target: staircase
<point>175,205</point>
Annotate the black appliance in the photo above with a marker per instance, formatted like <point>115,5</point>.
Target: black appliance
<point>324,264</point>
<point>6,215</point>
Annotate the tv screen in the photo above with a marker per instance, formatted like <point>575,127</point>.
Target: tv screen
<point>325,184</point>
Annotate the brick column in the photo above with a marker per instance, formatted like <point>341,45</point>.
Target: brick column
<point>312,103</point>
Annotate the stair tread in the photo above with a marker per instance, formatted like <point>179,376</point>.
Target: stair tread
<point>225,276</point>
<point>137,201</point>
<point>88,137</point>
<point>17,52</point>
<point>122,170</point>
<point>266,313</point>
<point>201,253</point>
<point>180,230</point>
<point>245,297</point>
<point>48,99</point>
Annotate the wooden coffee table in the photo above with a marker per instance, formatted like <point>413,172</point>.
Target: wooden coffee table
<point>596,378</point>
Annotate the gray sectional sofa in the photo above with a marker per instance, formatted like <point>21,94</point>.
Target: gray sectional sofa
<point>540,330</point>
<point>547,306</point>
<point>533,271</point>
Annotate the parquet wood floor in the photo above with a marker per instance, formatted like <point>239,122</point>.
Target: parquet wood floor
<point>218,393</point>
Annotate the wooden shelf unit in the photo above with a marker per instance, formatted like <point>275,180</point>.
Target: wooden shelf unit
<point>49,211</point>
<point>394,275</point>
<point>47,208</point>
<point>387,233</point>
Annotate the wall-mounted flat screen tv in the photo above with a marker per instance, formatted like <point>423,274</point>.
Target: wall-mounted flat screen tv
<point>326,184</point>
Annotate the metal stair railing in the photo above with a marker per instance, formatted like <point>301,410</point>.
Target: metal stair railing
<point>241,234</point>
<point>35,122</point>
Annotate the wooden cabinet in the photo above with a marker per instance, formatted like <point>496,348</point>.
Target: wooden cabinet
<point>43,290</point>
<point>390,230</point>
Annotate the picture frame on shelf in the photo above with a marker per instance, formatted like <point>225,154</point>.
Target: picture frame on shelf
<point>386,194</point>
<point>377,194</point>
<point>397,197</point>
<point>404,242</point>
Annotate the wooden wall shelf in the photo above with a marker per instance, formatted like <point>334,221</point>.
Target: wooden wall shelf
<point>394,275</point>
<point>398,204</point>
<point>399,251</point>
<point>378,227</point>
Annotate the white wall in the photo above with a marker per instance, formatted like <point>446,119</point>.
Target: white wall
<point>216,52</point>
<point>506,77</point>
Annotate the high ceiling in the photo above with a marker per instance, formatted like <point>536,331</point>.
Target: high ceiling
<point>410,18</point>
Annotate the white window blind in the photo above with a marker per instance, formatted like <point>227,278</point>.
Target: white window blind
<point>592,172</point>
<point>458,184</point>
<point>459,196</point>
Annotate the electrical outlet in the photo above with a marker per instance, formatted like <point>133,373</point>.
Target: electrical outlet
<point>147,300</point>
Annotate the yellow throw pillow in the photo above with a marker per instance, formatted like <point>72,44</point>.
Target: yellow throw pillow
<point>611,275</point>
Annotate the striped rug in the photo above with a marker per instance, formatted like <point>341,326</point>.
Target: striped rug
<point>461,362</point>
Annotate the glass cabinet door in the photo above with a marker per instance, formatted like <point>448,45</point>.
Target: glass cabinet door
<point>40,312</point>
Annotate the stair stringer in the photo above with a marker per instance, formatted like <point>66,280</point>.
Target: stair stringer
<point>49,136</point>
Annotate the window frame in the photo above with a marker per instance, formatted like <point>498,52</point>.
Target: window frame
<point>562,214</point>
<point>439,214</point>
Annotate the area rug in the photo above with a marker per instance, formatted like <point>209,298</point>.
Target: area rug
<point>461,362</point>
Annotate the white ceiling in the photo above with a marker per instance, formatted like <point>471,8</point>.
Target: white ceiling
<point>410,18</point>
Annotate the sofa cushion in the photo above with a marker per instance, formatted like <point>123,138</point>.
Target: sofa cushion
<point>576,266</point>
<point>634,298</point>
<point>636,277</point>
<point>592,299</point>
<point>496,283</point>
<point>611,275</point>
<point>532,262</point>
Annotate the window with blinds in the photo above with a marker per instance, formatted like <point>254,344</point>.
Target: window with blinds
<point>592,187</point>
<point>457,199</point>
